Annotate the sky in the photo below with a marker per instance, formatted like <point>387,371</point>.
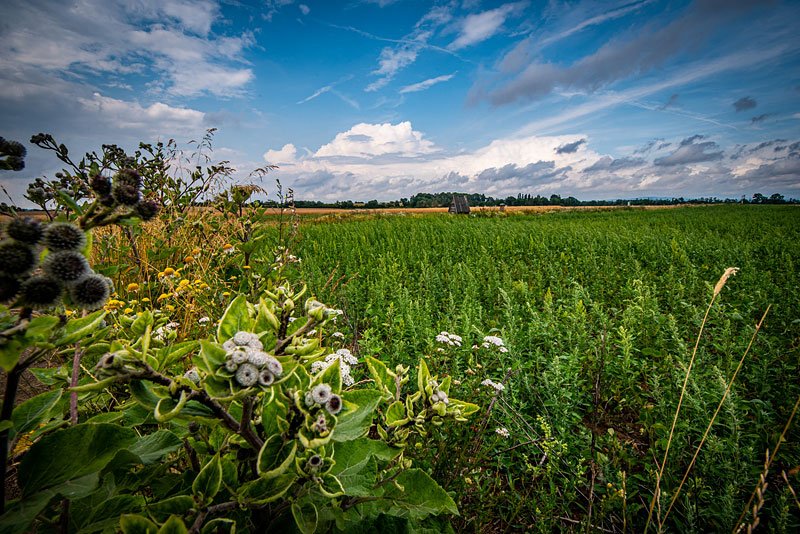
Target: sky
<point>382,99</point>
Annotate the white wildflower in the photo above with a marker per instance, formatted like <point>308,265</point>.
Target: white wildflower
<point>492,340</point>
<point>204,320</point>
<point>502,432</point>
<point>338,335</point>
<point>495,385</point>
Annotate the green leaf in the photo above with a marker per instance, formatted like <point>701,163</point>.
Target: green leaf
<point>209,480</point>
<point>167,409</point>
<point>423,375</point>
<point>173,525</point>
<point>270,413</point>
<point>142,321</point>
<point>68,201</point>
<point>106,514</point>
<point>152,447</point>
<point>76,329</point>
<point>421,496</point>
<point>357,414</point>
<point>211,357</point>
<point>219,525</point>
<point>331,486</point>
<point>137,524</point>
<point>142,393</point>
<point>33,411</point>
<point>71,453</point>
<point>9,354</point>
<point>331,375</point>
<point>180,504</point>
<point>169,355</point>
<point>265,490</point>
<point>305,516</point>
<point>235,319</point>
<point>383,377</point>
<point>95,386</point>
<point>41,328</point>
<point>396,414</point>
<point>276,456</point>
<point>356,464</point>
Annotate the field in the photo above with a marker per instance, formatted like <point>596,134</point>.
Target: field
<point>600,311</point>
<point>595,344</point>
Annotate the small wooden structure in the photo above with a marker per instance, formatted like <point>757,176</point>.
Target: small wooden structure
<point>459,205</point>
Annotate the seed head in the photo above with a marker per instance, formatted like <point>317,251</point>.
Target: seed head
<point>40,292</point>
<point>16,258</point>
<point>100,184</point>
<point>25,229</point>
<point>91,292</point>
<point>265,378</point>
<point>9,288</point>
<point>247,375</point>
<point>63,236</point>
<point>314,463</point>
<point>147,209</point>
<point>321,393</point>
<point>334,404</point>
<point>274,366</point>
<point>231,366</point>
<point>67,265</point>
<point>128,177</point>
<point>125,194</point>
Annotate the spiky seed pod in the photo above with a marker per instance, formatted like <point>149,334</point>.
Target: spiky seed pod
<point>16,258</point>
<point>67,265</point>
<point>90,292</point>
<point>247,375</point>
<point>125,194</point>
<point>40,292</point>
<point>100,184</point>
<point>147,209</point>
<point>9,288</point>
<point>25,229</point>
<point>334,404</point>
<point>64,236</point>
<point>265,378</point>
<point>321,393</point>
<point>128,177</point>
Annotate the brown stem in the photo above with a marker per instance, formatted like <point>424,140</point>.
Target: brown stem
<point>211,510</point>
<point>12,383</point>
<point>73,396</point>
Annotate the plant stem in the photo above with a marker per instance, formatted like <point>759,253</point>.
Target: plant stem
<point>12,383</point>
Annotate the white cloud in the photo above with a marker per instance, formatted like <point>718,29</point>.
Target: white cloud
<point>158,117</point>
<point>426,84</point>
<point>478,27</point>
<point>287,154</point>
<point>367,140</point>
<point>172,40</point>
<point>391,61</point>
<point>304,9</point>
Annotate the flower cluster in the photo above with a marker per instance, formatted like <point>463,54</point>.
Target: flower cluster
<point>323,395</point>
<point>64,269</point>
<point>494,341</point>
<point>449,339</point>
<point>495,385</point>
<point>502,432</point>
<point>123,191</point>
<point>247,361</point>
<point>346,359</point>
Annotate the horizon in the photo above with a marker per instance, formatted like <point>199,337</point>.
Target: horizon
<point>382,99</point>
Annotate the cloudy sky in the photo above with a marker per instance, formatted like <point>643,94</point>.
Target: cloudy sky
<point>363,99</point>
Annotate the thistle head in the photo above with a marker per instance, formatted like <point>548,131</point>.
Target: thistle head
<point>16,258</point>
<point>64,236</point>
<point>91,292</point>
<point>68,266</point>
<point>39,292</point>
<point>247,375</point>
<point>25,229</point>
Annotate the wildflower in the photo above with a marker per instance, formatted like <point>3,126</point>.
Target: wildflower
<point>502,432</point>
<point>188,259</point>
<point>64,236</point>
<point>183,284</point>
<point>67,266</point>
<point>497,386</point>
<point>40,291</point>
<point>314,463</point>
<point>24,229</point>
<point>334,404</point>
<point>170,307</point>
<point>242,338</point>
<point>162,296</point>
<point>346,359</point>
<point>126,194</point>
<point>239,355</point>
<point>449,339</point>
<point>169,271</point>
<point>320,426</point>
<point>16,258</point>
<point>128,177</point>
<point>146,299</point>
<point>309,399</point>
<point>321,393</point>
<point>100,184</point>
<point>338,335</point>
<point>204,320</point>
<point>91,292</point>
<point>147,209</point>
<point>162,332</point>
<point>247,375</point>
<point>196,251</point>
<point>133,286</point>
<point>227,248</point>
<point>128,310</point>
<point>226,293</point>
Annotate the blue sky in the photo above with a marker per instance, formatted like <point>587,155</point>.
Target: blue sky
<point>383,99</point>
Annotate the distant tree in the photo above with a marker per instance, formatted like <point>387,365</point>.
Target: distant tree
<point>758,198</point>
<point>776,198</point>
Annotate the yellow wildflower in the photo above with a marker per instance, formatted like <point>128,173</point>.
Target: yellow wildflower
<point>196,251</point>
<point>145,299</point>
<point>183,284</point>
<point>133,287</point>
<point>163,296</point>
<point>169,271</point>
<point>188,259</point>
<point>226,293</point>
<point>128,310</point>
<point>170,307</point>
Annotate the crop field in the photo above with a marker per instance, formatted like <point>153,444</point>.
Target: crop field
<point>614,374</point>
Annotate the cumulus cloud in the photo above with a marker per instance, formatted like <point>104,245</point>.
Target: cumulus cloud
<point>366,140</point>
<point>690,151</point>
<point>479,27</point>
<point>570,148</point>
<point>651,48</point>
<point>287,154</point>
<point>426,84</point>
<point>607,163</point>
<point>744,103</point>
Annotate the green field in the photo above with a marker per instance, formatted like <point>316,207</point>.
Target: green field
<point>600,312</point>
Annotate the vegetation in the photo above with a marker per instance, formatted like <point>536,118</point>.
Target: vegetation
<point>617,372</point>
